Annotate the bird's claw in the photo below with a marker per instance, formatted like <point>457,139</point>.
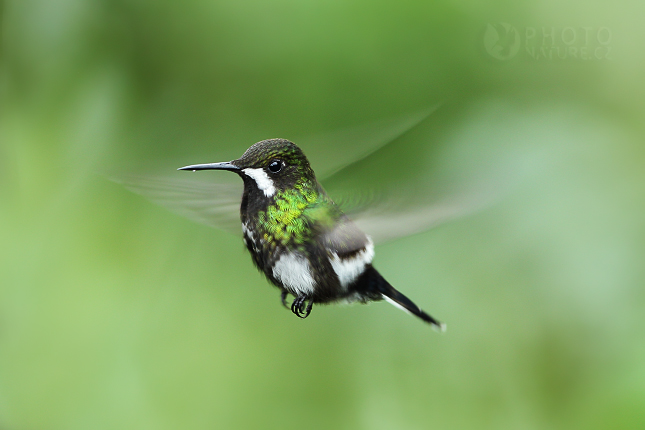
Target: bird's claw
<point>309,306</point>
<point>298,306</point>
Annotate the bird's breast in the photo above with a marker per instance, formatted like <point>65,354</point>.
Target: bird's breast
<point>291,269</point>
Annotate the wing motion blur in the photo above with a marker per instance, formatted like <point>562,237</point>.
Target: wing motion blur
<point>392,215</point>
<point>211,203</point>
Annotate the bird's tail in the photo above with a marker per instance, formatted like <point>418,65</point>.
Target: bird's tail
<point>396,298</point>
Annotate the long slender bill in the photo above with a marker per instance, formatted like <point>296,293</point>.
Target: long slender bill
<point>211,166</point>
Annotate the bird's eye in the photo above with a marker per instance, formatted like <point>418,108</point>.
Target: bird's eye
<point>275,166</point>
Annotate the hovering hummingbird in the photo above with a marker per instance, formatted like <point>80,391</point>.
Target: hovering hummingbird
<point>302,240</point>
<point>299,238</point>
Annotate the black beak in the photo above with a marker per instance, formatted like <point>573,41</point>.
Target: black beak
<point>212,166</point>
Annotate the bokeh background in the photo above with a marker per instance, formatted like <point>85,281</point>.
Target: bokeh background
<point>117,314</point>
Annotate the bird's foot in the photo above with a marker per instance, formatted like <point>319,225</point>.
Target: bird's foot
<point>298,306</point>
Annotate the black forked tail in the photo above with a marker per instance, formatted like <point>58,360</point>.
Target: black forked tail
<point>379,288</point>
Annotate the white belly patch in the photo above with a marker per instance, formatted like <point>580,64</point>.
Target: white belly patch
<point>293,271</point>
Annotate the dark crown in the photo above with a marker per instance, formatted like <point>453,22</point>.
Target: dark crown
<point>261,153</point>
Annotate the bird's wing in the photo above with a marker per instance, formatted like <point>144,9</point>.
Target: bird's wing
<point>417,181</point>
<point>393,215</point>
<point>211,203</point>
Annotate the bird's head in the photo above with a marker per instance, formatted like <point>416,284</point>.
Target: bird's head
<point>270,166</point>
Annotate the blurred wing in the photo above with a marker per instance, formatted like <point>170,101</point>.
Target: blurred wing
<point>390,218</point>
<point>213,204</point>
<point>417,181</point>
<point>394,215</point>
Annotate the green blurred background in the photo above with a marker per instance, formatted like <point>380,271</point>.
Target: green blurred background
<point>117,314</point>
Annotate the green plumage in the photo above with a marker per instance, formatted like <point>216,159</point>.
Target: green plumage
<point>294,213</point>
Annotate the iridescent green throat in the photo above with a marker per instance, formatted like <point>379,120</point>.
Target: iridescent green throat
<point>289,218</point>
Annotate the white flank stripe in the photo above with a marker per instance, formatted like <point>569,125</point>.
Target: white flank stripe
<point>294,273</point>
<point>262,180</point>
<point>349,269</point>
<point>248,233</point>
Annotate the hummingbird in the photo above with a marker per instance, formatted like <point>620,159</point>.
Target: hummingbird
<point>310,246</point>
<point>300,239</point>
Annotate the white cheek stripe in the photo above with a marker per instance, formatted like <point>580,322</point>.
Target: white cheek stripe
<point>294,273</point>
<point>348,270</point>
<point>262,180</point>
